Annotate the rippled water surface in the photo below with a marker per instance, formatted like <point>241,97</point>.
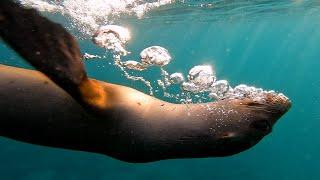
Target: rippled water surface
<point>263,43</point>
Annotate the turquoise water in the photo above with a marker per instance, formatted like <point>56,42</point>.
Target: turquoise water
<point>274,47</point>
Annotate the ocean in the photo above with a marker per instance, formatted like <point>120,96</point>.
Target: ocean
<point>269,44</point>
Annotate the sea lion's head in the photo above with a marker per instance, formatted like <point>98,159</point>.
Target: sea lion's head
<point>248,120</point>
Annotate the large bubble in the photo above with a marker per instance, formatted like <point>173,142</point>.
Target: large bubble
<point>200,77</point>
<point>176,78</point>
<point>112,37</point>
<point>155,55</point>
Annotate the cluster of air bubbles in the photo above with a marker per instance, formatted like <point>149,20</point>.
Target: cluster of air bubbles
<point>201,79</point>
<point>257,94</point>
<point>42,6</point>
<point>88,15</point>
<point>153,56</point>
<point>113,38</point>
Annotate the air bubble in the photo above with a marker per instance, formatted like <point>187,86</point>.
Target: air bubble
<point>112,37</point>
<point>155,55</point>
<point>176,78</point>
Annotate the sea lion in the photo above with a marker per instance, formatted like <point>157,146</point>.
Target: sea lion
<point>66,109</point>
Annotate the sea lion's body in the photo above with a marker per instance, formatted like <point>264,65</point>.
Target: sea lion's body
<point>75,112</point>
<point>138,127</point>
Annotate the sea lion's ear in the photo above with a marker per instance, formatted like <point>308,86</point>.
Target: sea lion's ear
<point>50,49</point>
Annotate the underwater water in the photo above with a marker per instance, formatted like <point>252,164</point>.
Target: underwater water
<point>267,44</point>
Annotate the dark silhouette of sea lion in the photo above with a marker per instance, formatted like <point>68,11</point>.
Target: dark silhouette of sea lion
<point>66,109</point>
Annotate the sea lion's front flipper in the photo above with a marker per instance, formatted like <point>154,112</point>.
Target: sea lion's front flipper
<point>51,49</point>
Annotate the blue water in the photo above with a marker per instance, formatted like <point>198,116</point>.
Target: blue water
<point>278,50</point>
